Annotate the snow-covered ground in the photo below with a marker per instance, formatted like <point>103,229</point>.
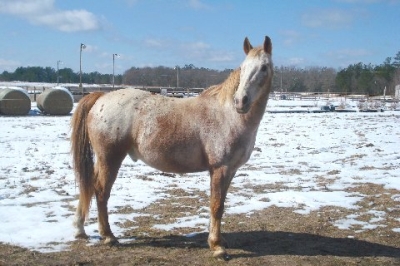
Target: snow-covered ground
<point>38,192</point>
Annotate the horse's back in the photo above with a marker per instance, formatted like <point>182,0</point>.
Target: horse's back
<point>117,102</point>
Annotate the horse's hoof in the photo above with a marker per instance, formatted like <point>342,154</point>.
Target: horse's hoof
<point>221,255</point>
<point>111,241</point>
<point>81,236</point>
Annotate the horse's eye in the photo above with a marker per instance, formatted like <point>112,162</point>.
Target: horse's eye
<point>263,68</point>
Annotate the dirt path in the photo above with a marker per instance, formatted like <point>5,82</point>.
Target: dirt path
<point>275,236</point>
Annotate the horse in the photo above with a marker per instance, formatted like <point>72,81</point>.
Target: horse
<point>215,132</point>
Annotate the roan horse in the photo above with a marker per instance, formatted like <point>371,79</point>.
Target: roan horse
<point>214,132</point>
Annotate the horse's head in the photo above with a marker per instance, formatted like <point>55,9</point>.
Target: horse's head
<point>255,75</point>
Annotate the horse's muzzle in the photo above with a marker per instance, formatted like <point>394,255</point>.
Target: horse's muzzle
<point>242,104</point>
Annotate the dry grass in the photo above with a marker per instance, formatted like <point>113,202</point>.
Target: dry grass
<point>274,236</point>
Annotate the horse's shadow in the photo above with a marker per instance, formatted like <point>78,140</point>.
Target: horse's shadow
<point>263,243</point>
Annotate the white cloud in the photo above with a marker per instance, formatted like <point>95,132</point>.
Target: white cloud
<point>327,18</point>
<point>68,21</point>
<point>195,52</point>
<point>26,7</point>
<point>290,37</point>
<point>43,12</point>
<point>204,52</point>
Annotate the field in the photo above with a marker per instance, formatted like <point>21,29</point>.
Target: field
<point>320,189</point>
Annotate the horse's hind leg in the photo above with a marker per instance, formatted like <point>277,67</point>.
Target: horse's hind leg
<point>107,171</point>
<point>79,222</point>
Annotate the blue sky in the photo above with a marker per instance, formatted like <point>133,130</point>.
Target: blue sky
<point>205,33</point>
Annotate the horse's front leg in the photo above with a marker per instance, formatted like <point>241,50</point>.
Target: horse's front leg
<point>220,181</point>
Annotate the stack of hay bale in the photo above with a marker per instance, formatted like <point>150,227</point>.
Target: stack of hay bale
<point>55,101</point>
<point>14,101</point>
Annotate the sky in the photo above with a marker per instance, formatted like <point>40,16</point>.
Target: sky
<point>205,33</point>
<point>294,166</point>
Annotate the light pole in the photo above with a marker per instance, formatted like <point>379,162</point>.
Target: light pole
<point>113,77</point>
<point>177,76</point>
<point>80,68</point>
<point>58,68</point>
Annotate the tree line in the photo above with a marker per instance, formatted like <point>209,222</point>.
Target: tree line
<point>369,79</point>
<point>65,75</point>
<point>187,76</point>
<point>355,79</point>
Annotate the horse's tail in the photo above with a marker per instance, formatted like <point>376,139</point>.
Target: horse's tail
<point>81,149</point>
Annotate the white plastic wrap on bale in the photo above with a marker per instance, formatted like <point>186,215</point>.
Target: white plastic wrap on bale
<point>55,101</point>
<point>14,101</point>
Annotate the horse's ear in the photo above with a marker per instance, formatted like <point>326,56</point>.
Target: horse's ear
<point>247,46</point>
<point>267,45</point>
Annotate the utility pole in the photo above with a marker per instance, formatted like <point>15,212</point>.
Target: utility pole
<point>80,69</point>
<point>113,76</point>
<point>177,76</point>
<point>58,68</point>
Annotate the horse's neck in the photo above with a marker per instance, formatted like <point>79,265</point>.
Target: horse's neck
<point>224,91</point>
<point>256,113</point>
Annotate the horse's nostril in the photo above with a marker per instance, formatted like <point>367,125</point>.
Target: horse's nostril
<point>245,100</point>
<point>241,101</point>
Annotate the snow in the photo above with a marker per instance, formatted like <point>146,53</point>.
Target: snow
<point>14,88</point>
<point>304,161</point>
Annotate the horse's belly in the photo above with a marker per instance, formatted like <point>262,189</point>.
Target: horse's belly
<point>183,161</point>
<point>176,167</point>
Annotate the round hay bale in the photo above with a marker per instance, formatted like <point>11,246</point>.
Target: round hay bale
<point>55,101</point>
<point>14,101</point>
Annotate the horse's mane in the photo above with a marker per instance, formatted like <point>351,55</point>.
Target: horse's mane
<point>225,90</point>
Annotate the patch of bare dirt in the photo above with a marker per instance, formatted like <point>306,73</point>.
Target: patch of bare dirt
<point>274,236</point>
